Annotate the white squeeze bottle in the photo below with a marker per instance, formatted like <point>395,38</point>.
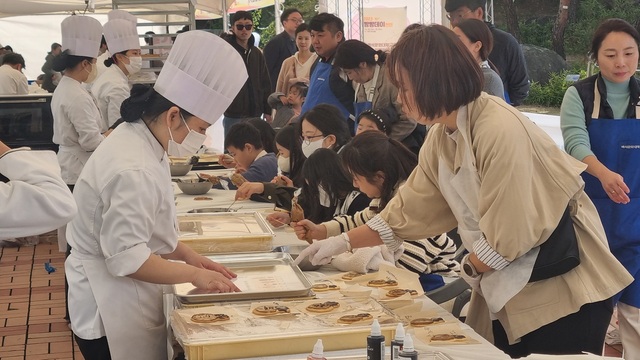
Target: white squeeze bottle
<point>318,351</point>
<point>408,353</point>
<point>397,342</point>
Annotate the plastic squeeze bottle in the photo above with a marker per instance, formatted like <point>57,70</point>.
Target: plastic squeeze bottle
<point>375,342</point>
<point>408,353</point>
<point>397,342</point>
<point>318,351</point>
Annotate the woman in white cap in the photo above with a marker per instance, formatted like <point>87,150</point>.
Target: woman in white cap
<point>112,86</point>
<point>125,230</point>
<point>76,117</point>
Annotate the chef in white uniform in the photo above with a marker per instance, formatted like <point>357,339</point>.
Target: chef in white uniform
<point>35,200</point>
<point>113,15</point>
<point>76,117</point>
<point>112,86</point>
<point>126,227</point>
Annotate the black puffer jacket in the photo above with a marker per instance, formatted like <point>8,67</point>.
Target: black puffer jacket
<point>251,101</point>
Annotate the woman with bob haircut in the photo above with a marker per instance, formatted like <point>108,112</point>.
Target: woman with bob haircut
<point>599,119</point>
<point>538,260</point>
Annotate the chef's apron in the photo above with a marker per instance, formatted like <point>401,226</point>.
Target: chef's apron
<point>131,310</point>
<point>616,144</point>
<point>320,90</point>
<point>461,188</point>
<point>359,107</point>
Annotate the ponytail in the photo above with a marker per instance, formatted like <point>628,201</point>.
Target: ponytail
<point>380,57</point>
<point>145,103</point>
<point>66,61</point>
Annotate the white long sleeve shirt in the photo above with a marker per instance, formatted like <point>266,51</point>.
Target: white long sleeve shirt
<point>36,199</point>
<point>110,90</point>
<point>12,81</point>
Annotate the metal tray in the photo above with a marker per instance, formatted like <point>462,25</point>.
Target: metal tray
<point>260,276</point>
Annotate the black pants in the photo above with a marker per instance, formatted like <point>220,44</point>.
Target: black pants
<point>97,349</point>
<point>572,334</point>
<point>66,283</point>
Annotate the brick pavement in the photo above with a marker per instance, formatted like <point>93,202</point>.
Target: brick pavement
<point>32,325</point>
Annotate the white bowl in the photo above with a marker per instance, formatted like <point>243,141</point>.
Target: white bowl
<point>179,169</point>
<point>195,188</point>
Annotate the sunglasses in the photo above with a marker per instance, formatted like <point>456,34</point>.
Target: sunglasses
<point>240,27</point>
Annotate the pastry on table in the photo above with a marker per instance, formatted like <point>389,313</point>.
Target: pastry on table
<point>207,318</point>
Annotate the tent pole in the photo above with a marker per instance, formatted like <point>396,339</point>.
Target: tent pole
<point>225,16</point>
<point>278,12</point>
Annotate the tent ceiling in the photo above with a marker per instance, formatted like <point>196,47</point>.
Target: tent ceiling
<point>39,7</point>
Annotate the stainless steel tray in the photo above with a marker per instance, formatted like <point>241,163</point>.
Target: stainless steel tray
<point>260,276</point>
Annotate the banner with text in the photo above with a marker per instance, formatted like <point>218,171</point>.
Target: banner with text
<point>382,27</point>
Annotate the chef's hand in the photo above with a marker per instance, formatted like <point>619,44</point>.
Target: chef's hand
<point>278,218</point>
<point>213,281</point>
<point>614,185</point>
<point>307,230</point>
<point>204,262</point>
<point>474,282</point>
<point>321,251</point>
<point>249,188</point>
<point>3,148</point>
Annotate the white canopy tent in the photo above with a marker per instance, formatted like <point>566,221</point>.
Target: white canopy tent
<point>39,7</point>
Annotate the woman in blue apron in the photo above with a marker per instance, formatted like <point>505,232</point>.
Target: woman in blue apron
<point>600,126</point>
<point>365,67</point>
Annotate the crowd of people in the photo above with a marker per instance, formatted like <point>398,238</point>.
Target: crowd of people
<point>335,130</point>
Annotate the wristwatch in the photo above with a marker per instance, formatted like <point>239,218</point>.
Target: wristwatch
<point>468,267</point>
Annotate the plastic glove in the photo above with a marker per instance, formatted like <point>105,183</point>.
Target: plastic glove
<point>320,252</point>
<point>474,282</point>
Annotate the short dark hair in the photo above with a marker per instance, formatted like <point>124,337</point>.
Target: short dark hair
<point>8,48</point>
<point>267,134</point>
<point>477,30</point>
<point>241,15</point>
<point>285,14</point>
<point>453,5</point>
<point>351,53</point>
<point>372,152</point>
<point>302,88</point>
<point>67,61</point>
<point>605,28</point>
<point>443,74</point>
<point>330,121</point>
<point>13,59</point>
<point>302,27</point>
<point>241,134</point>
<point>332,22</point>
<point>55,45</point>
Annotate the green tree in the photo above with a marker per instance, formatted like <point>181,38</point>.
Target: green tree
<point>268,30</point>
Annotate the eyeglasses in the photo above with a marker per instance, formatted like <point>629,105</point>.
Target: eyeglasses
<point>296,20</point>
<point>457,16</point>
<point>239,27</point>
<point>307,139</point>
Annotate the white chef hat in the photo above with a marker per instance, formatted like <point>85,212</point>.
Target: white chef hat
<point>121,35</point>
<point>81,35</point>
<point>121,14</point>
<point>202,74</point>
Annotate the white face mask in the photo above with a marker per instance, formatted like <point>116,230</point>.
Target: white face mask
<point>309,148</point>
<point>284,164</point>
<point>189,145</point>
<point>93,74</point>
<point>324,198</point>
<point>134,65</point>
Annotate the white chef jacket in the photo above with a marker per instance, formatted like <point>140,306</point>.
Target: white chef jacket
<point>110,90</point>
<point>76,128</point>
<point>126,212</point>
<point>12,81</point>
<point>35,200</point>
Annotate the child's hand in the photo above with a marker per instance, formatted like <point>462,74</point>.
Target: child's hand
<point>227,161</point>
<point>249,188</point>
<point>282,180</point>
<point>279,218</point>
<point>306,230</point>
